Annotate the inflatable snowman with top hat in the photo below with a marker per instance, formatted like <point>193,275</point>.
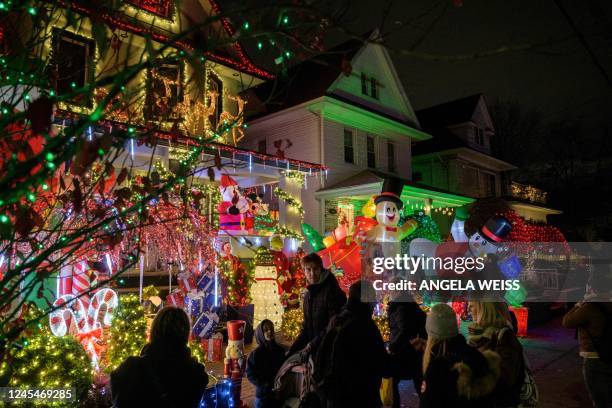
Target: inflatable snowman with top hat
<point>486,241</point>
<point>389,206</point>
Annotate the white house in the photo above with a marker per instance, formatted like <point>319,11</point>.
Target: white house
<point>347,110</point>
<point>459,157</point>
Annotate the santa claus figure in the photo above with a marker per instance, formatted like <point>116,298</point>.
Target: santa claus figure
<point>235,361</point>
<point>234,207</point>
<point>233,271</point>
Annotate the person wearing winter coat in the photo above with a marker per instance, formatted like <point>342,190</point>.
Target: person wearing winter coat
<point>165,374</point>
<point>354,355</point>
<point>406,323</point>
<point>590,318</point>
<point>492,330</point>
<point>455,374</point>
<point>322,301</point>
<point>263,364</point>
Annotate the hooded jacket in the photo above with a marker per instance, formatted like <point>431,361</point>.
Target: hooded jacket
<point>462,377</point>
<point>512,364</point>
<point>163,376</point>
<point>359,360</point>
<point>263,363</point>
<point>322,301</point>
<point>590,320</point>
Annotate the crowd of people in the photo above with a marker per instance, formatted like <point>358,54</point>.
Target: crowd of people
<point>350,360</point>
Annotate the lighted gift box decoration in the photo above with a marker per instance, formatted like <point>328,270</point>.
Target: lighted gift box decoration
<point>213,348</point>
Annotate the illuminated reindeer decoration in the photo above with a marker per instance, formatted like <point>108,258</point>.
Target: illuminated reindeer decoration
<point>194,114</point>
<point>235,121</point>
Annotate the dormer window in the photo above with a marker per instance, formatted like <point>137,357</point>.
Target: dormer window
<point>369,86</point>
<point>373,88</point>
<point>364,84</point>
<point>479,137</point>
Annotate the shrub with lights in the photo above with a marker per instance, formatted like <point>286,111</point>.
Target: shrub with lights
<point>292,323</point>
<point>47,361</point>
<point>127,332</point>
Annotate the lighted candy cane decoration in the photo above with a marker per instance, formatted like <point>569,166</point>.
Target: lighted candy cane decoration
<point>69,318</point>
<point>106,298</point>
<point>86,324</point>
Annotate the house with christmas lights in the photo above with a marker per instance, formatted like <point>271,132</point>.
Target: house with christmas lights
<point>458,158</point>
<point>170,107</point>
<point>347,110</point>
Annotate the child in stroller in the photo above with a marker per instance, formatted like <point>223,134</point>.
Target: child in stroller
<point>294,385</point>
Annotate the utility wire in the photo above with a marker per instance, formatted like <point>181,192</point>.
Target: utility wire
<point>584,43</point>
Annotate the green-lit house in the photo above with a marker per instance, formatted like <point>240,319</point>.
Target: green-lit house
<point>345,109</point>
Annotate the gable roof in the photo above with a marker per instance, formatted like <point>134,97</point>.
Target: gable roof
<point>435,119</point>
<point>449,113</point>
<point>443,139</point>
<point>233,56</point>
<point>305,81</point>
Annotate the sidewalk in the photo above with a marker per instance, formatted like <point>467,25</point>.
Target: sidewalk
<point>553,355</point>
<point>552,352</point>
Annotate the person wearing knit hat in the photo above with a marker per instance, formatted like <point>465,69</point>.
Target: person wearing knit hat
<point>455,374</point>
<point>441,322</point>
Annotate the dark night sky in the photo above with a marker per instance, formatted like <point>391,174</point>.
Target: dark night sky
<point>560,80</point>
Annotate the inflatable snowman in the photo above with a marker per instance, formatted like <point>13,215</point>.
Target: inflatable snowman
<point>486,241</point>
<point>388,212</point>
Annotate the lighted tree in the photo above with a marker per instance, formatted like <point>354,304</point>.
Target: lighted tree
<point>128,331</point>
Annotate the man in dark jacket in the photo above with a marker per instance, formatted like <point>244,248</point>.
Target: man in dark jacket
<point>165,374</point>
<point>323,300</point>
<point>352,359</point>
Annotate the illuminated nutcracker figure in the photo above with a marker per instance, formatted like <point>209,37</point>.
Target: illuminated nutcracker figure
<point>235,361</point>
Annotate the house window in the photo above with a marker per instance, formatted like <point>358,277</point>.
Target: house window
<point>479,136</point>
<point>73,56</point>
<point>262,147</point>
<point>371,152</point>
<point>373,88</point>
<point>164,93</point>
<point>349,150</point>
<point>364,84</point>
<point>215,84</point>
<point>391,157</point>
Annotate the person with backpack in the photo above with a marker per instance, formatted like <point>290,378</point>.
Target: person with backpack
<point>455,374</point>
<point>263,364</point>
<point>165,374</point>
<point>492,330</point>
<point>406,323</point>
<point>323,300</point>
<point>593,319</point>
<point>352,360</point>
